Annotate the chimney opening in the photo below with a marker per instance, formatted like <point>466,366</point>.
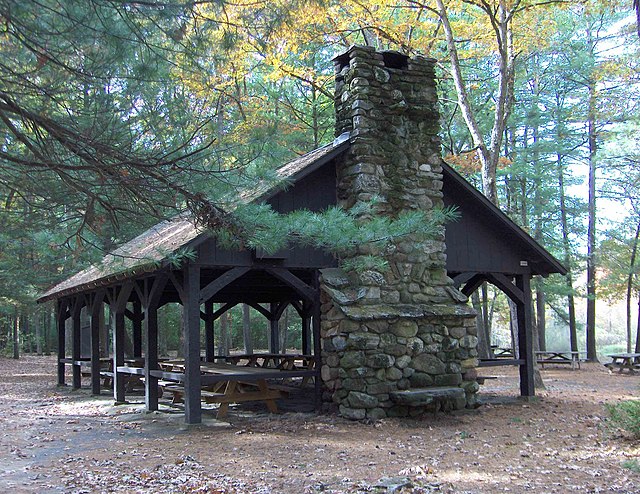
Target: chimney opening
<point>395,60</point>
<point>342,61</point>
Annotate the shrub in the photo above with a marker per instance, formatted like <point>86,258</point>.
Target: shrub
<point>626,416</point>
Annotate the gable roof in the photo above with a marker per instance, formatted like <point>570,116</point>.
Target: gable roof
<point>153,248</point>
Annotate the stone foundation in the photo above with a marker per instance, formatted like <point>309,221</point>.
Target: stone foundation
<point>369,352</point>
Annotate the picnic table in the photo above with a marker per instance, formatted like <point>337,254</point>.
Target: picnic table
<point>553,357</point>
<point>622,361</point>
<point>226,384</point>
<point>498,352</point>
<point>286,361</point>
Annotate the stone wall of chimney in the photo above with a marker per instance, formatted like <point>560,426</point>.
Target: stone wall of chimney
<point>405,327</point>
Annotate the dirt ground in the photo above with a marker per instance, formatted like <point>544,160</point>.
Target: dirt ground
<point>58,440</point>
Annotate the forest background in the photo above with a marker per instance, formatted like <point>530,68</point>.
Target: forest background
<point>117,114</point>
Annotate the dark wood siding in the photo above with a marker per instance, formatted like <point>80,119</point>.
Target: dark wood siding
<point>315,192</point>
<point>475,243</point>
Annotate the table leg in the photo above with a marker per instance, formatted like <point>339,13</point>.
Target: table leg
<point>224,407</point>
<point>271,403</point>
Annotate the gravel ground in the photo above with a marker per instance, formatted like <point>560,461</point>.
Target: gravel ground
<point>56,440</point>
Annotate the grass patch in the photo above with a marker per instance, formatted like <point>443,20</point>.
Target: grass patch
<point>626,416</point>
<point>633,465</point>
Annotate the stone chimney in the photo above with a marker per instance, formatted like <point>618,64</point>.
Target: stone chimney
<point>401,341</point>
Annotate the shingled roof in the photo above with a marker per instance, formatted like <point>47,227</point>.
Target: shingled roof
<point>152,248</point>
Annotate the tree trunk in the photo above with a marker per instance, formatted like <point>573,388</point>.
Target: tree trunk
<point>500,19</point>
<point>638,328</point>
<point>223,343</point>
<point>283,327</point>
<point>46,330</point>
<point>16,334</point>
<point>632,263</point>
<point>541,320</point>
<point>27,337</point>
<point>38,332</point>
<point>573,329</point>
<point>513,324</point>
<point>484,342</point>
<point>592,355</point>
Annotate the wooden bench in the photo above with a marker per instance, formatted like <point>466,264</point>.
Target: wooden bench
<point>439,397</point>
<point>624,361</point>
<point>561,358</point>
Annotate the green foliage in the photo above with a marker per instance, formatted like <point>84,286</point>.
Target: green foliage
<point>633,465</point>
<point>258,226</point>
<point>626,416</point>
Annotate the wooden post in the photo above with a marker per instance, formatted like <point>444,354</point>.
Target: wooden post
<point>96,310</point>
<point>246,330</point>
<point>191,315</point>
<point>117,325</point>
<point>274,343</point>
<point>317,349</point>
<point>306,317</point>
<point>118,308</point>
<point>208,331</point>
<point>77,376</point>
<point>152,294</point>
<point>61,318</point>
<point>525,336</point>
<point>136,323</point>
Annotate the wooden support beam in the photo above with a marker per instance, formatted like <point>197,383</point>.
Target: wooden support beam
<point>151,358</point>
<point>191,315</point>
<point>317,349</point>
<point>246,330</point>
<point>117,308</point>
<point>176,281</point>
<point>122,297</point>
<point>472,284</point>
<point>280,308</point>
<point>210,349</point>
<point>78,303</point>
<point>306,315</point>
<point>96,309</point>
<point>305,291</point>
<point>221,281</point>
<point>260,309</point>
<point>274,333</point>
<point>525,336</point>
<point>223,309</point>
<point>129,314</point>
<point>137,328</point>
<point>117,329</point>
<point>505,284</point>
<point>139,291</point>
<point>462,278</point>
<point>151,298</point>
<point>61,318</point>
<point>299,307</point>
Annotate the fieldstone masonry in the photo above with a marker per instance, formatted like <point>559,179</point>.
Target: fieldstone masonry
<point>398,342</point>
